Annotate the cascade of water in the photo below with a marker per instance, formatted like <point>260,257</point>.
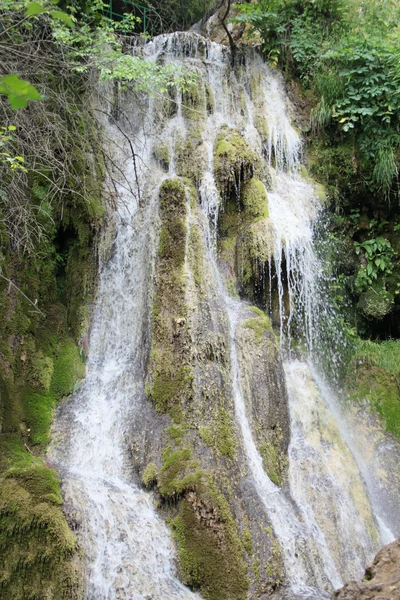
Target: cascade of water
<point>128,548</point>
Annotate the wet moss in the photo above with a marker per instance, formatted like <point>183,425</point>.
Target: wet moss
<point>234,160</point>
<point>247,540</point>
<point>259,324</point>
<point>196,255</point>
<point>255,249</point>
<point>179,473</point>
<point>377,380</point>
<point>161,153</point>
<point>37,548</point>
<point>191,156</point>
<point>255,200</point>
<point>270,458</point>
<point>38,415</point>
<point>176,432</point>
<point>224,437</point>
<point>209,548</point>
<point>150,475</point>
<point>68,368</point>
<point>169,380</point>
<point>194,102</point>
<point>41,370</point>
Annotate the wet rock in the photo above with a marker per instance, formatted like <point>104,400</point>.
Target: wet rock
<point>381,580</point>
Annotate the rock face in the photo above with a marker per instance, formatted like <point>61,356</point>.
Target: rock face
<point>381,580</point>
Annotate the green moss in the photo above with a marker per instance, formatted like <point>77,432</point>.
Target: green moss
<point>206,435</point>
<point>270,457</point>
<point>150,474</point>
<point>377,368</point>
<point>68,368</point>
<point>247,540</point>
<point>274,567</point>
<point>169,381</point>
<point>255,200</point>
<point>190,156</point>
<point>168,384</point>
<point>38,414</point>
<point>224,437</point>
<point>255,249</point>
<point>41,369</point>
<point>176,432</point>
<point>210,554</point>
<point>275,460</point>
<point>196,255</point>
<point>259,324</point>
<point>37,548</point>
<point>13,452</point>
<point>194,102</point>
<point>80,285</point>
<point>178,472</point>
<point>162,154</point>
<point>234,160</point>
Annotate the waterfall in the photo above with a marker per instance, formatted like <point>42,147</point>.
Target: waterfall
<point>327,519</point>
<point>128,548</point>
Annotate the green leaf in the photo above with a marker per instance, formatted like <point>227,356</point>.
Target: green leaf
<point>17,101</point>
<point>11,128</point>
<point>34,8</point>
<point>18,91</point>
<point>62,16</point>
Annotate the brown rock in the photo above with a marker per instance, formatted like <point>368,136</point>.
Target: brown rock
<point>381,580</point>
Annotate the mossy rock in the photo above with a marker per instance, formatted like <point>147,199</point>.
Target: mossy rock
<point>234,160</point>
<point>179,473</point>
<point>169,379</point>
<point>259,324</point>
<point>150,475</point>
<point>195,101</point>
<point>255,248</point>
<point>377,381</point>
<point>37,549</point>
<point>68,368</point>
<point>254,200</point>
<point>209,548</point>
<point>191,156</point>
<point>162,154</point>
<point>376,303</point>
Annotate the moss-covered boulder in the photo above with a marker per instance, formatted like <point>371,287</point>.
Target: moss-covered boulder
<point>254,200</point>
<point>209,548</point>
<point>191,156</point>
<point>39,556</point>
<point>169,375</point>
<point>376,303</point>
<point>195,100</point>
<point>255,248</point>
<point>374,376</point>
<point>234,160</point>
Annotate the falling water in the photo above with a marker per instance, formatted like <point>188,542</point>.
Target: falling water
<point>128,548</point>
<point>325,524</point>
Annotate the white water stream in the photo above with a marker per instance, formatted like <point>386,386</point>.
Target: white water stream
<point>325,522</point>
